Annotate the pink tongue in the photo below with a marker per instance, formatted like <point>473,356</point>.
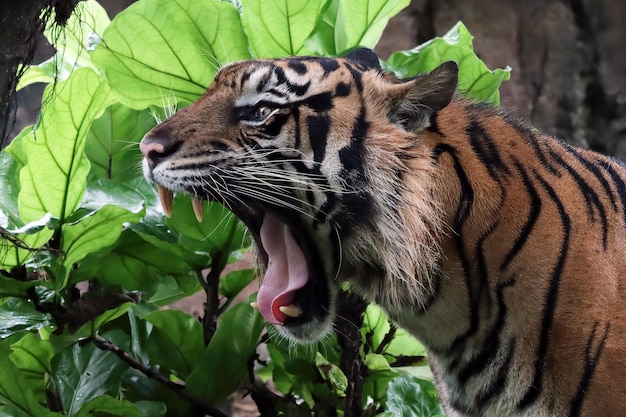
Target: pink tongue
<point>286,272</point>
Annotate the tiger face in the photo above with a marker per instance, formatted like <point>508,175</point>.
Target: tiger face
<point>285,144</point>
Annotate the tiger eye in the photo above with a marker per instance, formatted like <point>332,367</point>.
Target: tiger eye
<point>262,112</point>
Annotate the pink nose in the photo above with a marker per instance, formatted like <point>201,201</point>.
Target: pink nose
<point>156,148</point>
<point>147,145</point>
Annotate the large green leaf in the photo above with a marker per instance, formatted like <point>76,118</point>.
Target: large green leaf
<point>83,372</point>
<point>32,235</point>
<point>98,231</point>
<point>16,396</point>
<point>278,28</point>
<point>176,341</point>
<point>224,364</point>
<point>412,397</point>
<point>156,49</point>
<point>107,406</point>
<point>234,282</point>
<point>219,232</point>
<point>113,142</point>
<point>54,177</point>
<point>135,264</point>
<point>376,326</point>
<point>347,24</point>
<point>475,79</point>
<point>19,315</point>
<point>32,355</point>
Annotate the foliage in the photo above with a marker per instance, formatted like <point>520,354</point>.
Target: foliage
<point>88,257</point>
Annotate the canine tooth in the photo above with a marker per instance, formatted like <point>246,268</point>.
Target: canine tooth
<point>254,305</point>
<point>291,310</point>
<point>197,208</point>
<point>166,196</point>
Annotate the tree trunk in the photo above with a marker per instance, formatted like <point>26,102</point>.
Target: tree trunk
<point>22,23</point>
<point>568,59</point>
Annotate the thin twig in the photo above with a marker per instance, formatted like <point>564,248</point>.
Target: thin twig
<point>108,345</point>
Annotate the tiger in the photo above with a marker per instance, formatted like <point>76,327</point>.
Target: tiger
<point>500,248</point>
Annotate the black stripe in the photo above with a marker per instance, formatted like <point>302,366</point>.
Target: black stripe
<point>595,170</point>
<point>319,103</point>
<point>491,344</point>
<point>328,66</point>
<point>486,150</point>
<point>352,158</point>
<point>462,213</point>
<point>433,125</point>
<point>619,184</point>
<point>591,197</point>
<point>496,385</point>
<point>318,128</point>
<point>531,220</point>
<point>356,76</point>
<point>538,145</point>
<point>297,89</point>
<point>533,391</point>
<point>590,366</point>
<point>298,66</point>
<point>342,89</point>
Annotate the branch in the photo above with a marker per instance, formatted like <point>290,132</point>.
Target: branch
<point>211,289</point>
<point>108,345</point>
<point>348,329</point>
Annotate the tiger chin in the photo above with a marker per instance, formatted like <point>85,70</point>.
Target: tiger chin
<point>501,249</point>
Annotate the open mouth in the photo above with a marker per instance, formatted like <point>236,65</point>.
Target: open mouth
<point>294,292</point>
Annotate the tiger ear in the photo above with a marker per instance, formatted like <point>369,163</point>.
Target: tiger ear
<point>413,101</point>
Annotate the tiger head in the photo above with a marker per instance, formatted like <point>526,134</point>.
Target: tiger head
<point>322,160</point>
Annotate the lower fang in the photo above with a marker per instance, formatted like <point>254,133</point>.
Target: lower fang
<point>291,310</point>
<point>254,305</point>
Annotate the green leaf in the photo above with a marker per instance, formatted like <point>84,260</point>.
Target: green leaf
<point>98,231</point>
<point>135,264</point>
<point>163,48</point>
<point>81,373</point>
<point>234,282</point>
<point>348,24</point>
<point>219,232</point>
<point>475,79</point>
<point>151,408</point>
<point>176,342</point>
<point>32,357</point>
<point>278,28</point>
<point>375,323</point>
<point>54,177</point>
<point>107,406</point>
<point>18,315</point>
<point>16,396</point>
<point>224,364</point>
<point>113,142</point>
<point>409,396</point>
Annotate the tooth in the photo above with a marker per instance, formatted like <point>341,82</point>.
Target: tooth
<point>291,310</point>
<point>166,196</point>
<point>197,208</point>
<point>254,305</point>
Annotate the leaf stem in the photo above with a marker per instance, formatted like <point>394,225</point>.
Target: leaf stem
<point>108,345</point>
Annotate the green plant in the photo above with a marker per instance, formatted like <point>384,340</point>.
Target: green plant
<point>87,257</point>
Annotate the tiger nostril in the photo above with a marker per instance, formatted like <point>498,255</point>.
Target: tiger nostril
<point>155,148</point>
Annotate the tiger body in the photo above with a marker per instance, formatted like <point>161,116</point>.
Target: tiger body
<point>501,249</point>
